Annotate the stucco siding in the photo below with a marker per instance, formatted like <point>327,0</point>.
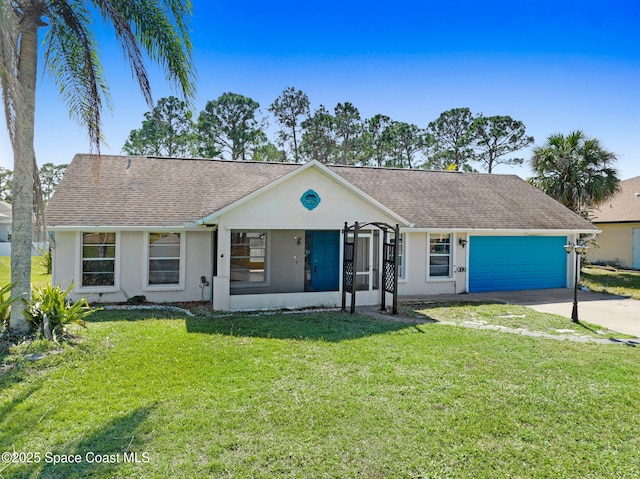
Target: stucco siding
<point>281,207</point>
<point>198,264</point>
<point>253,302</point>
<point>614,244</point>
<point>416,281</point>
<point>64,258</point>
<point>130,280</point>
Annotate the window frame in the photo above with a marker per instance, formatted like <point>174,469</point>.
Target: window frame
<point>266,260</point>
<point>180,285</point>
<point>115,287</point>
<point>449,276</point>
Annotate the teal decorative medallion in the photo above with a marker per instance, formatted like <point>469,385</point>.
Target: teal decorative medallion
<point>310,199</point>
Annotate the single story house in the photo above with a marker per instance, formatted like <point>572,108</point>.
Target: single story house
<point>6,214</point>
<point>254,235</point>
<point>619,220</point>
<point>5,221</point>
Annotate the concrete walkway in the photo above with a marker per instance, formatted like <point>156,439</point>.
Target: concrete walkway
<point>616,313</point>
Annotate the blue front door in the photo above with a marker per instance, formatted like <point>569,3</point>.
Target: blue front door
<point>322,260</point>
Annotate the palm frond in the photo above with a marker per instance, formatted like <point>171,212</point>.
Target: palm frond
<point>575,170</point>
<point>160,29</point>
<point>128,42</point>
<point>8,63</point>
<point>72,60</point>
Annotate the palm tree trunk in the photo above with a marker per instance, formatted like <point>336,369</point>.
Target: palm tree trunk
<point>23,170</point>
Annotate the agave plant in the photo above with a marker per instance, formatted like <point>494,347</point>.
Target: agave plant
<point>50,311</point>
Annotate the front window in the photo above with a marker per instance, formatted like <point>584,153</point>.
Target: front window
<point>98,259</point>
<point>248,257</point>
<point>164,259</point>
<point>439,255</point>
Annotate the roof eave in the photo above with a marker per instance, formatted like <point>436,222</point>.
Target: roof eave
<point>616,221</point>
<point>506,231</point>
<point>108,228</point>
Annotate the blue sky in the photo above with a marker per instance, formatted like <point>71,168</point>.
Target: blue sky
<point>557,66</point>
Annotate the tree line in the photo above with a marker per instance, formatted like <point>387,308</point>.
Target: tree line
<point>574,169</point>
<point>233,127</point>
<point>49,176</point>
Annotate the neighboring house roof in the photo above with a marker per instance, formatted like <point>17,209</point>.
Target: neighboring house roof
<point>141,191</point>
<point>5,207</point>
<point>6,213</point>
<point>623,207</point>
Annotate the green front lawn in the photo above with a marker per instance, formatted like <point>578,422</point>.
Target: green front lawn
<point>606,280</point>
<point>321,395</point>
<point>510,316</point>
<point>39,278</point>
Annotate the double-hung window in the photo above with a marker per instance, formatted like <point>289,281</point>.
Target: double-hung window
<point>98,259</point>
<point>440,255</point>
<point>248,257</point>
<point>164,259</point>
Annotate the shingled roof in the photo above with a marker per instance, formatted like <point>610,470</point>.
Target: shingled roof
<point>450,199</point>
<point>623,207</point>
<point>142,191</point>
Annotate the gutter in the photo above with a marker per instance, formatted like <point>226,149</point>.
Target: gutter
<point>506,232</point>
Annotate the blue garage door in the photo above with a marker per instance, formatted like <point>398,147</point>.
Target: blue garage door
<point>503,263</point>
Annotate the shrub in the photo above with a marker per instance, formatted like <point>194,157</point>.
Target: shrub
<point>45,259</point>
<point>136,299</point>
<point>50,311</point>
<point>5,303</point>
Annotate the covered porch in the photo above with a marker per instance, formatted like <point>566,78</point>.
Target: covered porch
<point>294,268</point>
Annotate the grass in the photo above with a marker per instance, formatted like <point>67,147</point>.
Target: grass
<point>322,395</point>
<point>606,280</point>
<point>39,278</point>
<point>505,315</point>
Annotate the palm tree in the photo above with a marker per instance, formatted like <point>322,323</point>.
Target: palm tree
<point>155,28</point>
<point>575,170</point>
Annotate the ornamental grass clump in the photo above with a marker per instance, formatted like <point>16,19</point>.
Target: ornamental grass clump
<point>50,311</point>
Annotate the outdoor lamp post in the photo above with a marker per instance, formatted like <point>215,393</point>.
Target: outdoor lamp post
<point>579,249</point>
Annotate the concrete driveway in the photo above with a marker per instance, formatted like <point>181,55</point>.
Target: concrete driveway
<point>613,312</point>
